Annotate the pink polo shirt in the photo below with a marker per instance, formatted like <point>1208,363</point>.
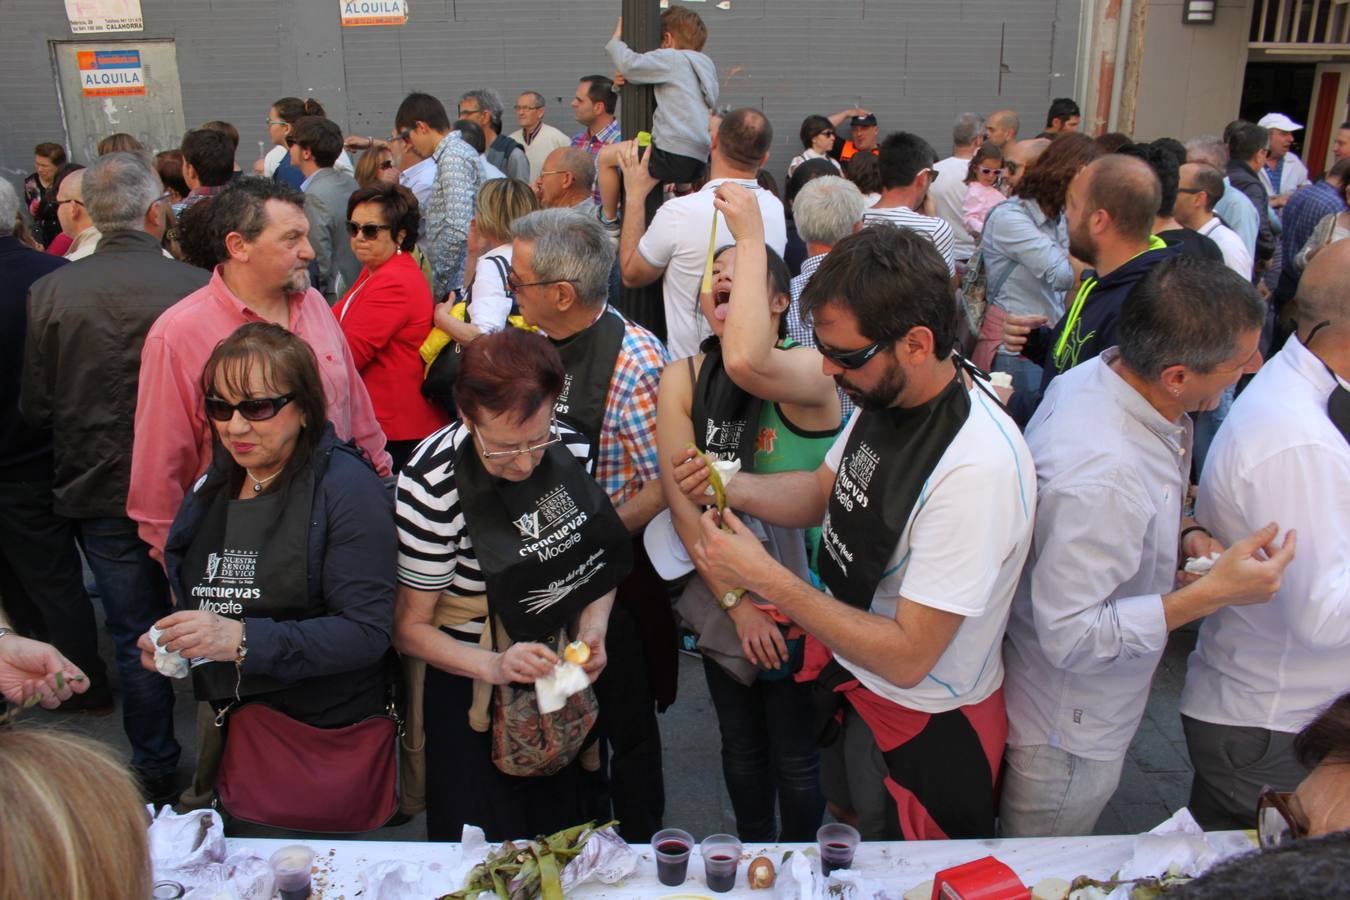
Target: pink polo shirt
<point>172,445</point>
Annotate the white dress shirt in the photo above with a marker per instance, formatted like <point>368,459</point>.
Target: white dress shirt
<point>1278,458</point>
<point>1087,626</point>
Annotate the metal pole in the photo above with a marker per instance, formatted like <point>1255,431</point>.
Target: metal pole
<point>642,32</point>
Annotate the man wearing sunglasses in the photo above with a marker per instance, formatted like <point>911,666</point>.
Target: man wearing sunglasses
<point>927,500</point>
<point>1259,673</point>
<point>88,322</point>
<point>315,143</point>
<point>906,174</point>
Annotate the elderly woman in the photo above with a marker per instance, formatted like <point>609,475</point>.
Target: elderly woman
<point>49,164</point>
<point>498,514</point>
<point>387,313</point>
<point>755,396</point>
<point>817,134</point>
<point>282,556</point>
<point>1025,247</point>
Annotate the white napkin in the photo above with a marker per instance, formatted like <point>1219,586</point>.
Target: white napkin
<point>554,688</point>
<point>171,664</point>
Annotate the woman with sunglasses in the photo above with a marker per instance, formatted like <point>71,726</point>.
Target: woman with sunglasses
<point>497,514</point>
<point>983,188</point>
<point>751,395</point>
<point>282,556</point>
<point>1025,248</point>
<point>375,167</point>
<point>817,134</point>
<point>387,313</point>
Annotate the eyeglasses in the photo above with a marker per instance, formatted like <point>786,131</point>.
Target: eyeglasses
<point>1185,190</point>
<point>851,359</point>
<point>1276,823</point>
<point>983,171</point>
<point>932,174</point>
<point>167,195</point>
<point>515,284</point>
<point>256,409</point>
<point>465,113</point>
<point>553,438</point>
<point>403,135</point>
<point>386,164</point>
<point>370,231</point>
<point>527,108</point>
<point>71,200</point>
<point>552,172</point>
<point>277,122</point>
<point>1010,166</point>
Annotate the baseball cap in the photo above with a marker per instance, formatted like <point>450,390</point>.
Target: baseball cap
<point>863,121</point>
<point>665,549</point>
<point>1280,121</point>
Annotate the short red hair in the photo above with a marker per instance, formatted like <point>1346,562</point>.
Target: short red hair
<point>508,372</point>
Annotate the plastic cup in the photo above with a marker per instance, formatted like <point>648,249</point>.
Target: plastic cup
<point>672,846</point>
<point>838,842</point>
<point>291,869</point>
<point>721,857</point>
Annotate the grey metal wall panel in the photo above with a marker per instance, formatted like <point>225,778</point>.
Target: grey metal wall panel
<point>915,62</point>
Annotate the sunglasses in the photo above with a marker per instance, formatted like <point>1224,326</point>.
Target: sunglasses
<point>386,164</point>
<point>403,135</point>
<point>983,171</point>
<point>1010,167</point>
<point>257,409</point>
<point>370,231</point>
<point>1276,823</point>
<point>829,132</point>
<point>851,359</point>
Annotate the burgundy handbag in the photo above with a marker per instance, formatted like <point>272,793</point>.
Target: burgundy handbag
<point>281,772</point>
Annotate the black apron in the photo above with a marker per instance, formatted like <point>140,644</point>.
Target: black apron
<point>588,357</point>
<point>249,559</point>
<point>547,546</point>
<point>725,417</point>
<point>889,456</point>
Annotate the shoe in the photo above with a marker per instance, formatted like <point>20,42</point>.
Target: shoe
<point>159,790</point>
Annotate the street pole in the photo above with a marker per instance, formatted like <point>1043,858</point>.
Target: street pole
<point>642,32</point>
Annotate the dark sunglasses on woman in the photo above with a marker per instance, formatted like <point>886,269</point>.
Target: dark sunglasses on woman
<point>255,409</point>
<point>370,231</point>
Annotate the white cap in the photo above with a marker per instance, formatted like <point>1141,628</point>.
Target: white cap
<point>1280,121</point>
<point>665,549</point>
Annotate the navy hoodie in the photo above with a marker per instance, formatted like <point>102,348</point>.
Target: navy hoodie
<point>1093,331</point>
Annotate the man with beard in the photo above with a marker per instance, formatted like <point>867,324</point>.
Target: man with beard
<point>1110,211</point>
<point>261,238</point>
<point>927,501</point>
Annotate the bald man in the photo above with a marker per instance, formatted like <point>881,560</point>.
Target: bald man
<point>1020,155</point>
<point>74,218</point>
<point>566,179</point>
<point>1001,129</point>
<point>1110,209</point>
<point>1259,673</point>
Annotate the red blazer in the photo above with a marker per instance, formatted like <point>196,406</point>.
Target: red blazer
<point>385,317</point>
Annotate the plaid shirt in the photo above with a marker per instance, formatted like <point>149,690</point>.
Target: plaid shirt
<point>445,221</point>
<point>1302,213</point>
<point>592,144</point>
<point>627,457</point>
<point>803,332</point>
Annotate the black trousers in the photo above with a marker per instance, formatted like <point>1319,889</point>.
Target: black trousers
<point>41,580</point>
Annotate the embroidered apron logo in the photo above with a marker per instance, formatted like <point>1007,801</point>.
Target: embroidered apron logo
<point>230,578</point>
<point>553,527</point>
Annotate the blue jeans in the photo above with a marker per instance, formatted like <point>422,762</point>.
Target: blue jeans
<point>135,595</point>
<point>1026,375</point>
<point>768,752</point>
<point>1207,426</point>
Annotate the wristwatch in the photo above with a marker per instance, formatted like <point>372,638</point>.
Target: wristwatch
<point>242,652</point>
<point>731,598</point>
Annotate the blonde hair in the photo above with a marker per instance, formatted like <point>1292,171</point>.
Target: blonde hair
<point>74,825</point>
<point>500,202</point>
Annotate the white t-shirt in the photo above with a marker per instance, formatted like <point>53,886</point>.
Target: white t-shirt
<point>948,193</point>
<point>677,241</point>
<point>489,305</point>
<point>1235,253</point>
<point>962,552</point>
<point>936,230</point>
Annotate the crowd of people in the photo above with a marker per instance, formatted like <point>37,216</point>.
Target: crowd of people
<point>382,436</point>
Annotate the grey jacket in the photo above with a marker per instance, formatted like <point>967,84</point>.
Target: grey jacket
<point>326,208</point>
<point>87,322</point>
<point>686,94</point>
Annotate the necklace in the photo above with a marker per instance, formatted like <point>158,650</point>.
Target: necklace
<point>259,482</point>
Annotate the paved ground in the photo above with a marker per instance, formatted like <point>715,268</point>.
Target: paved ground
<point>1155,782</point>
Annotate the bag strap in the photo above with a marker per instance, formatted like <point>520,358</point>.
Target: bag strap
<point>504,270</point>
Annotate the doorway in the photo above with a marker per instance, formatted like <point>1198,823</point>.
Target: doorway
<point>118,86</point>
